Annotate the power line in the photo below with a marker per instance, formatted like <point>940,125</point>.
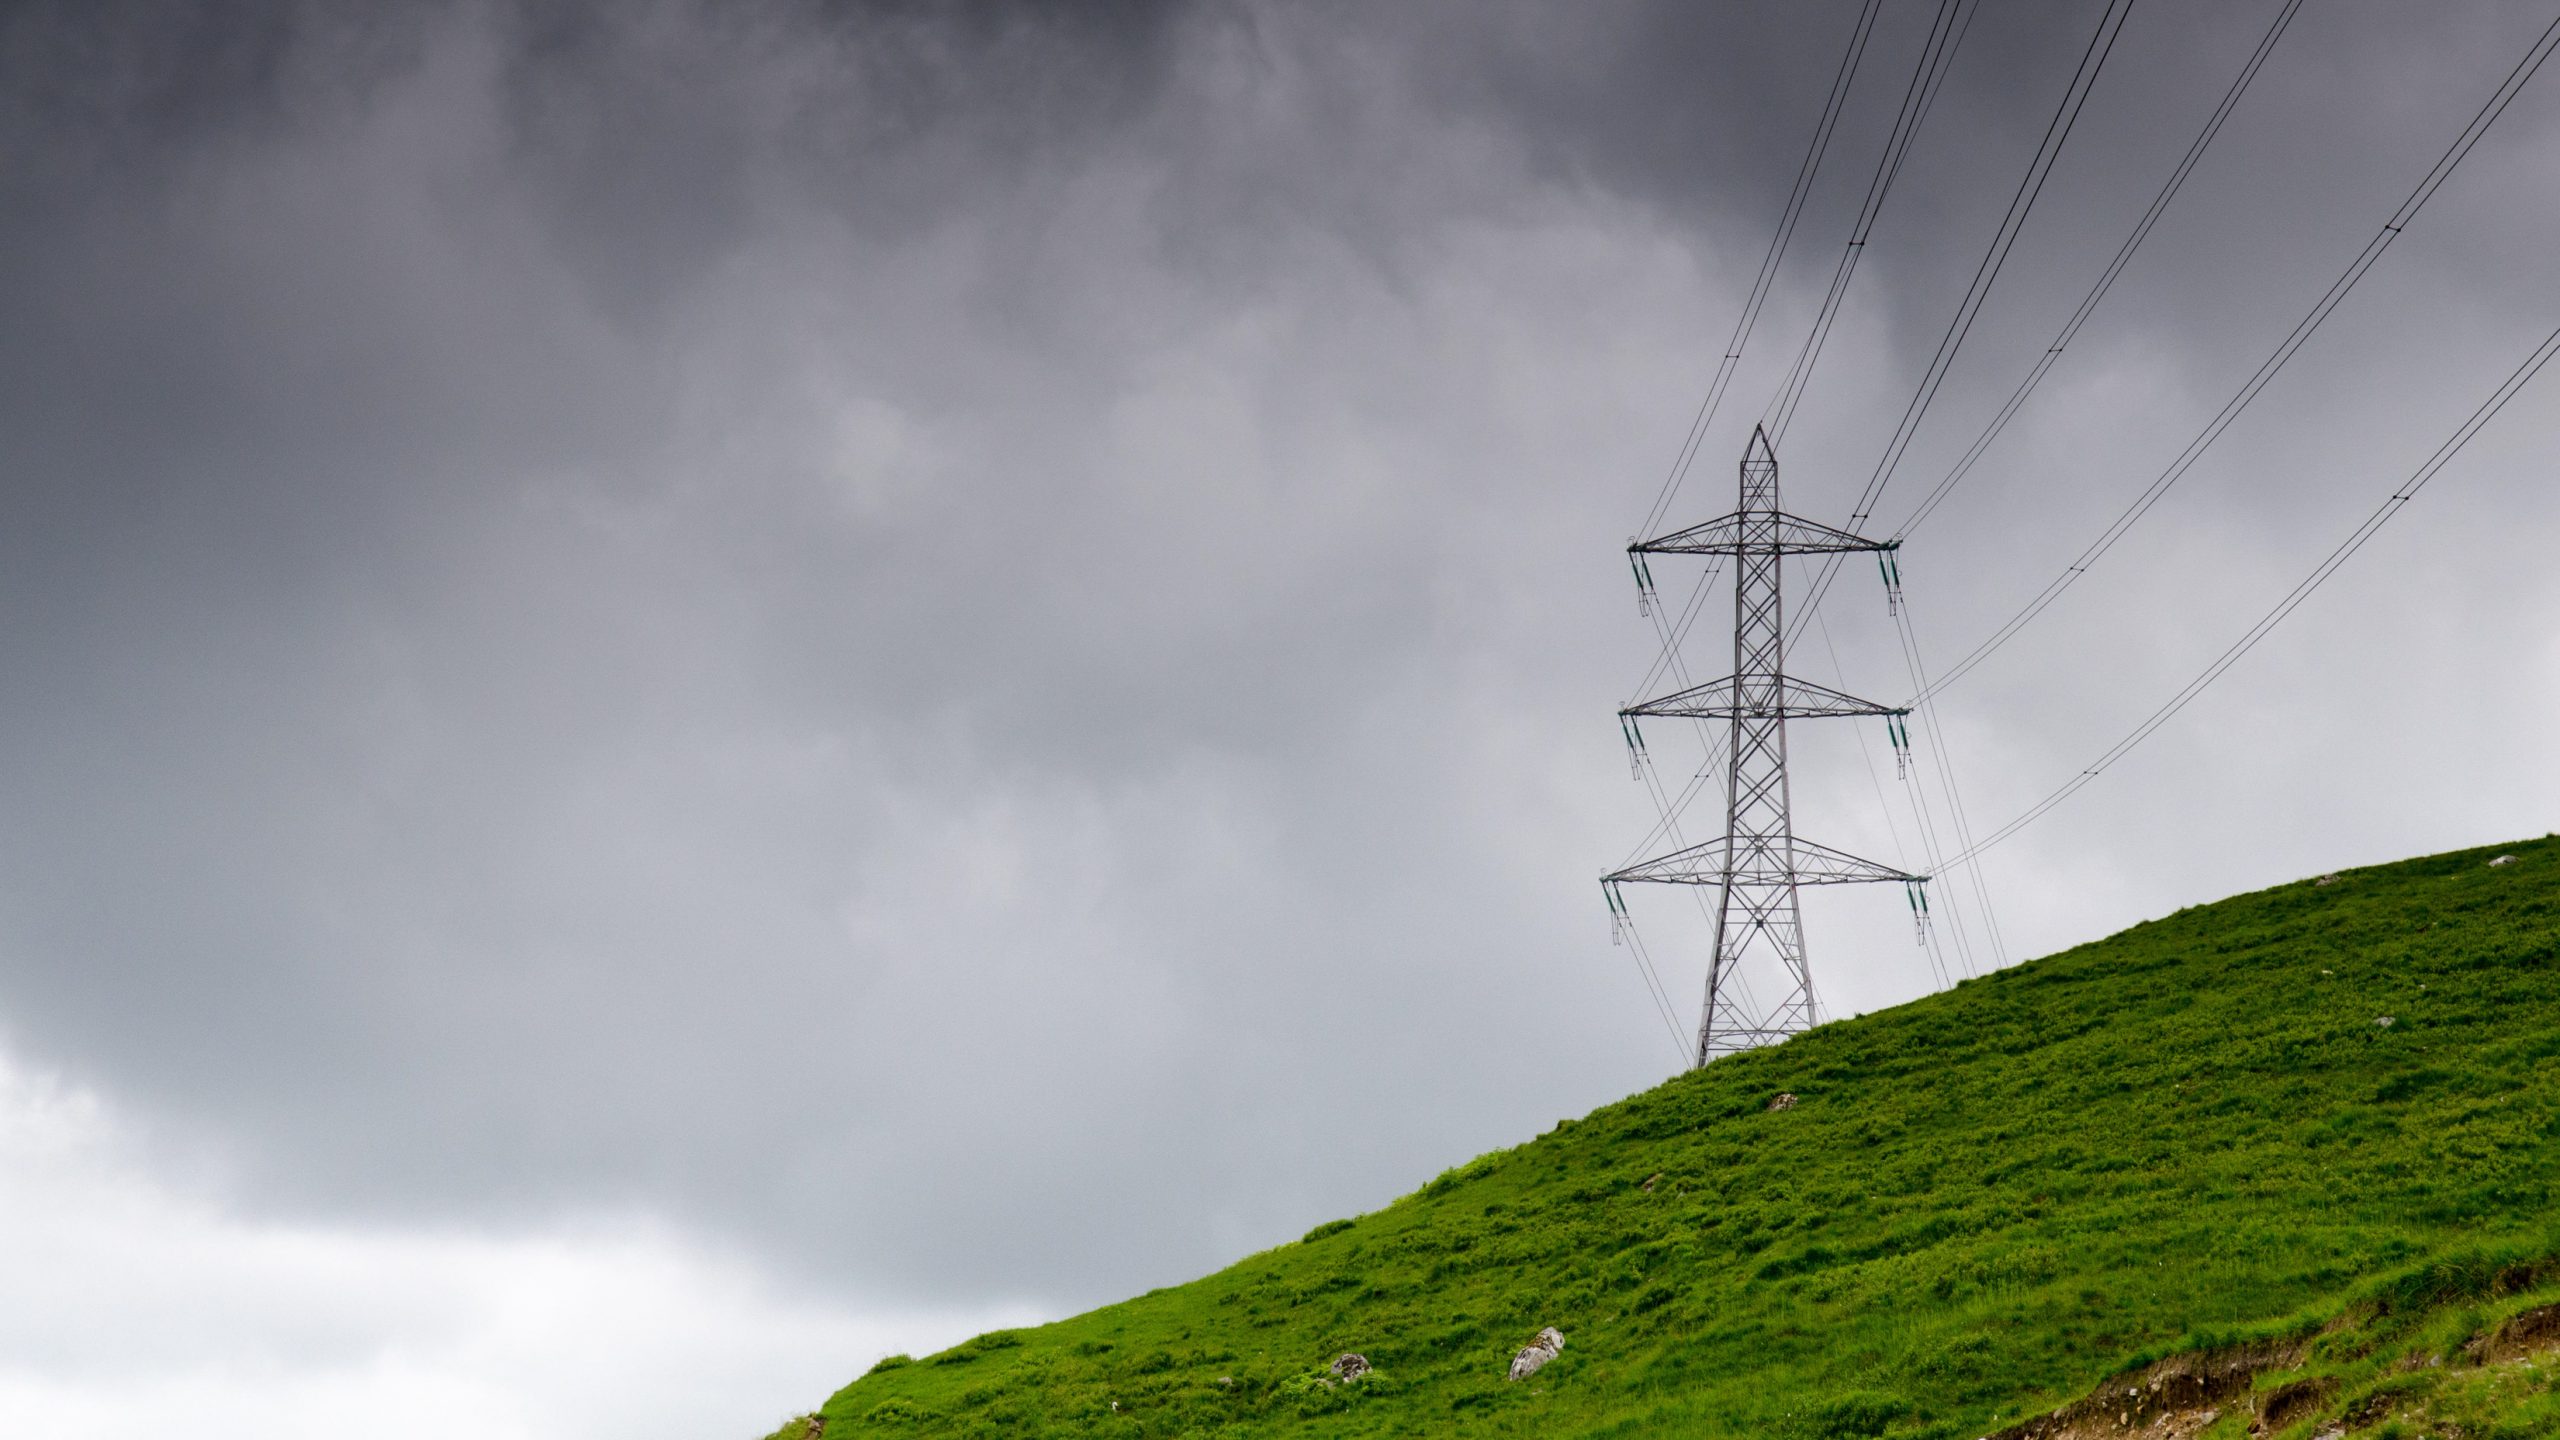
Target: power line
<point>1946,32</point>
<point>2075,96</point>
<point>1625,929</point>
<point>1831,108</point>
<point>1670,811</point>
<point>1668,659</point>
<point>1937,957</point>
<point>2293,342</point>
<point>2066,115</point>
<point>2397,501</point>
<point>2124,254</point>
<point>1733,1017</point>
<point>1942,755</point>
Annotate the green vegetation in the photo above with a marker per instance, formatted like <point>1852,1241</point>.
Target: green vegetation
<point>2324,1118</point>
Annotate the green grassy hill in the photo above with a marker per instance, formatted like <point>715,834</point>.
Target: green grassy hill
<point>2295,1152</point>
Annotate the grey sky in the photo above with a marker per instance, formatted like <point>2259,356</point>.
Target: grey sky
<point>971,647</point>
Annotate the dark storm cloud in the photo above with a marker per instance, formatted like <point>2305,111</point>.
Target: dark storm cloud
<point>538,563</point>
<point>646,136</point>
<point>974,641</point>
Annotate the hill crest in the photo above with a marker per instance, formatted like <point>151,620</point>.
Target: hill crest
<point>2252,1123</point>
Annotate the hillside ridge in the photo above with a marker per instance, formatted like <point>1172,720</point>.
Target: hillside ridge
<point>2318,1125</point>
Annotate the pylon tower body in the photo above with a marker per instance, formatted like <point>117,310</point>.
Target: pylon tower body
<point>1759,864</point>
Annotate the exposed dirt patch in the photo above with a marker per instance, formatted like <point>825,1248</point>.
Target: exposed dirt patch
<point>2531,1333</point>
<point>2182,1396</point>
<point>2285,1404</point>
<point>2173,1399</point>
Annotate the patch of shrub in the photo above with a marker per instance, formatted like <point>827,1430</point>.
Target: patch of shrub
<point>1858,1415</point>
<point>1966,1357</point>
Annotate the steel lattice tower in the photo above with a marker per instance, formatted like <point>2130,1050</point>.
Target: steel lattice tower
<point>1758,863</point>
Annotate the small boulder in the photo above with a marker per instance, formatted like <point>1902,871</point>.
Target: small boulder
<point>2504,860</point>
<point>2385,1022</point>
<point>1783,1100</point>
<point>1534,1355</point>
<point>2326,880</point>
<point>1351,1367</point>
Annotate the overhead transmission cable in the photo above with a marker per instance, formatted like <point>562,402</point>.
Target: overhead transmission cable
<point>1947,29</point>
<point>2257,382</point>
<point>1622,924</point>
<point>1714,398</point>
<point>1626,930</point>
<point>1668,660</point>
<point>2391,506</point>
<point>2066,115</point>
<point>1946,33</point>
<point>1671,810</point>
<point>2075,97</point>
<point>1704,419</point>
<point>1928,842</point>
<point>2115,267</point>
<point>1941,756</point>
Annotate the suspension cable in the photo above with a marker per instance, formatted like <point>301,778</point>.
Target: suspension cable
<point>2257,382</point>
<point>2106,280</point>
<point>1705,418</point>
<point>1946,33</point>
<point>2004,238</point>
<point>2391,506</point>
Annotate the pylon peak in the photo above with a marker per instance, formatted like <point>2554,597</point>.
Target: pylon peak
<point>1759,451</point>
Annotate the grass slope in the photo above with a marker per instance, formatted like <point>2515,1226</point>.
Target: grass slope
<point>2246,1120</point>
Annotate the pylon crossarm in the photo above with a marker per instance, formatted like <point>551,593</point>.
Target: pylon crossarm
<point>1760,534</point>
<point>1736,697</point>
<point>1723,861</point>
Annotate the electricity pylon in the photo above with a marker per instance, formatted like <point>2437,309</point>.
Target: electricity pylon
<point>1759,863</point>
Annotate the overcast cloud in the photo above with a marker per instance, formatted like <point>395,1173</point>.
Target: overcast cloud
<point>862,670</point>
